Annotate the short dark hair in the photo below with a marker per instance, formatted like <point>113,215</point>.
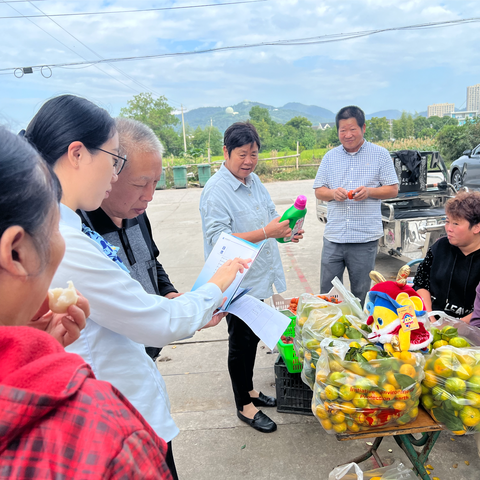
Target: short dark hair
<point>351,112</point>
<point>29,190</point>
<point>66,119</point>
<point>240,134</point>
<point>465,205</point>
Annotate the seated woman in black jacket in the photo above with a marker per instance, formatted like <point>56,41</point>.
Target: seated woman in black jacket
<point>450,272</point>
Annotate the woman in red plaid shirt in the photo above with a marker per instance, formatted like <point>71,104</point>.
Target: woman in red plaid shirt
<point>57,420</point>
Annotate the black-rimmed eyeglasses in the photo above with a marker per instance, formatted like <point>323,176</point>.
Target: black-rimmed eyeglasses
<point>118,161</point>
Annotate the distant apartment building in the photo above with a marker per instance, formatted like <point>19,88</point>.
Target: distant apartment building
<point>462,117</point>
<point>473,98</point>
<point>440,109</point>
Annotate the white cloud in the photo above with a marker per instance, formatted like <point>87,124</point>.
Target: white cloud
<point>400,69</point>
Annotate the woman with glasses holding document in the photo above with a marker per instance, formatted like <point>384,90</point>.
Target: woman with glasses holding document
<point>79,140</point>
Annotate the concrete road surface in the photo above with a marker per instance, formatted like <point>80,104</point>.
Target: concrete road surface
<point>213,442</point>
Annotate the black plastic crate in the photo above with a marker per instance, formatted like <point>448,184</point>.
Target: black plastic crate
<point>293,396</point>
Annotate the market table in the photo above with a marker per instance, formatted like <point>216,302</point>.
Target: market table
<point>403,435</point>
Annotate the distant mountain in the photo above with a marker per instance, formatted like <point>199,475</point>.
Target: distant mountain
<point>389,114</point>
<point>223,117</point>
<point>222,120</point>
<point>322,113</point>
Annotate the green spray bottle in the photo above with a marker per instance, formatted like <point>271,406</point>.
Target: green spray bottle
<point>296,215</point>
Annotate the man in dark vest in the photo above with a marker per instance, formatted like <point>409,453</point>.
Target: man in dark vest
<point>122,219</point>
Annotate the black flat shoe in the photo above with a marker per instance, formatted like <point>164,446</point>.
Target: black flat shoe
<point>264,401</point>
<point>260,422</point>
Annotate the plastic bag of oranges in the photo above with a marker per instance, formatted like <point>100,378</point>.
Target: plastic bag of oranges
<point>452,331</point>
<point>351,471</point>
<point>451,388</point>
<point>329,323</point>
<point>309,307</point>
<point>365,388</point>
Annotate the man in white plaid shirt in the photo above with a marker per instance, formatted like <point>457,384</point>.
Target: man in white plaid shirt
<point>353,178</point>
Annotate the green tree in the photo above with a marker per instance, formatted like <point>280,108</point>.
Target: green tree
<point>377,129</point>
<point>452,140</point>
<point>299,122</point>
<point>306,137</point>
<point>201,140</point>
<point>403,127</point>
<point>257,114</point>
<point>157,114</point>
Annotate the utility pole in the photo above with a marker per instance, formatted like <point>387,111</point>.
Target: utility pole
<point>211,124</point>
<point>184,138</point>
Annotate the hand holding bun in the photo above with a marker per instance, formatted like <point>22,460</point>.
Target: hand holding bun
<point>59,299</point>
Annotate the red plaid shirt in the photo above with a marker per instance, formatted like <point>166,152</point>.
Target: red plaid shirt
<point>58,422</point>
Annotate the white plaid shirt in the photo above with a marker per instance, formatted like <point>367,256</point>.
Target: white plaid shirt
<point>351,221</point>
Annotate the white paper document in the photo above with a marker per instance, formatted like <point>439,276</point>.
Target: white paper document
<point>267,323</point>
<point>228,247</point>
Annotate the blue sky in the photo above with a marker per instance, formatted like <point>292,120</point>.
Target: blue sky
<point>404,70</point>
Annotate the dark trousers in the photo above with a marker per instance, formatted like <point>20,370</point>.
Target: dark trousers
<point>242,349</point>
<point>171,462</point>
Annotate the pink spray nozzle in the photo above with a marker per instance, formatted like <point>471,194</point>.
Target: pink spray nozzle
<point>300,202</point>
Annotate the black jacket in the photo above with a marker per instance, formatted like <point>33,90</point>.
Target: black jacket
<point>450,277</point>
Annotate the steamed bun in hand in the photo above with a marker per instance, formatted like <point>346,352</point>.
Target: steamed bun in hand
<point>59,299</point>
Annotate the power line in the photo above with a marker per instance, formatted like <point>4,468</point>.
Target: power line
<point>66,46</point>
<point>95,53</point>
<point>76,14</point>
<point>338,37</point>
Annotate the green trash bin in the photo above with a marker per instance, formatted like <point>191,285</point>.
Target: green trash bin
<point>161,183</point>
<point>180,176</point>
<point>204,173</point>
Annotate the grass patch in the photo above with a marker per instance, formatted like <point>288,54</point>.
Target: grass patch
<point>288,174</point>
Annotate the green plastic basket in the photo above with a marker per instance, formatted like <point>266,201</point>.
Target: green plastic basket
<point>290,331</point>
<point>287,352</point>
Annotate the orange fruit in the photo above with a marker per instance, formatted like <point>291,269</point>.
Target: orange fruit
<point>353,427</point>
<point>473,398</point>
<point>340,427</point>
<point>321,376</point>
<point>388,391</point>
<point>440,394</point>
<point>403,395</point>
<point>320,412</point>
<point>407,357</point>
<point>413,413</point>
<point>346,392</point>
<point>427,401</point>
<point>455,385</point>
<point>360,417</point>
<point>336,378</point>
<point>470,416</point>
<point>373,379</point>
<point>370,355</point>
<point>430,379</point>
<point>399,405</point>
<point>338,329</point>
<point>331,392</point>
<point>348,408</point>
<point>374,398</point>
<point>326,424</point>
<point>391,380</point>
<point>473,383</point>
<point>464,371</point>
<point>443,367</point>
<point>360,400</point>
<point>338,417</point>
<point>408,369</point>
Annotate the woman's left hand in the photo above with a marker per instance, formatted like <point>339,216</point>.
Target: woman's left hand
<point>64,327</point>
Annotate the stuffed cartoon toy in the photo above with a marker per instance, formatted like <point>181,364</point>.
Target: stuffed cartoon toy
<point>383,303</point>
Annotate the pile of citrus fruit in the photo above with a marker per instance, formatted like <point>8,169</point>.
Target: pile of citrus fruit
<point>448,335</point>
<point>332,326</point>
<point>366,388</point>
<point>451,388</point>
